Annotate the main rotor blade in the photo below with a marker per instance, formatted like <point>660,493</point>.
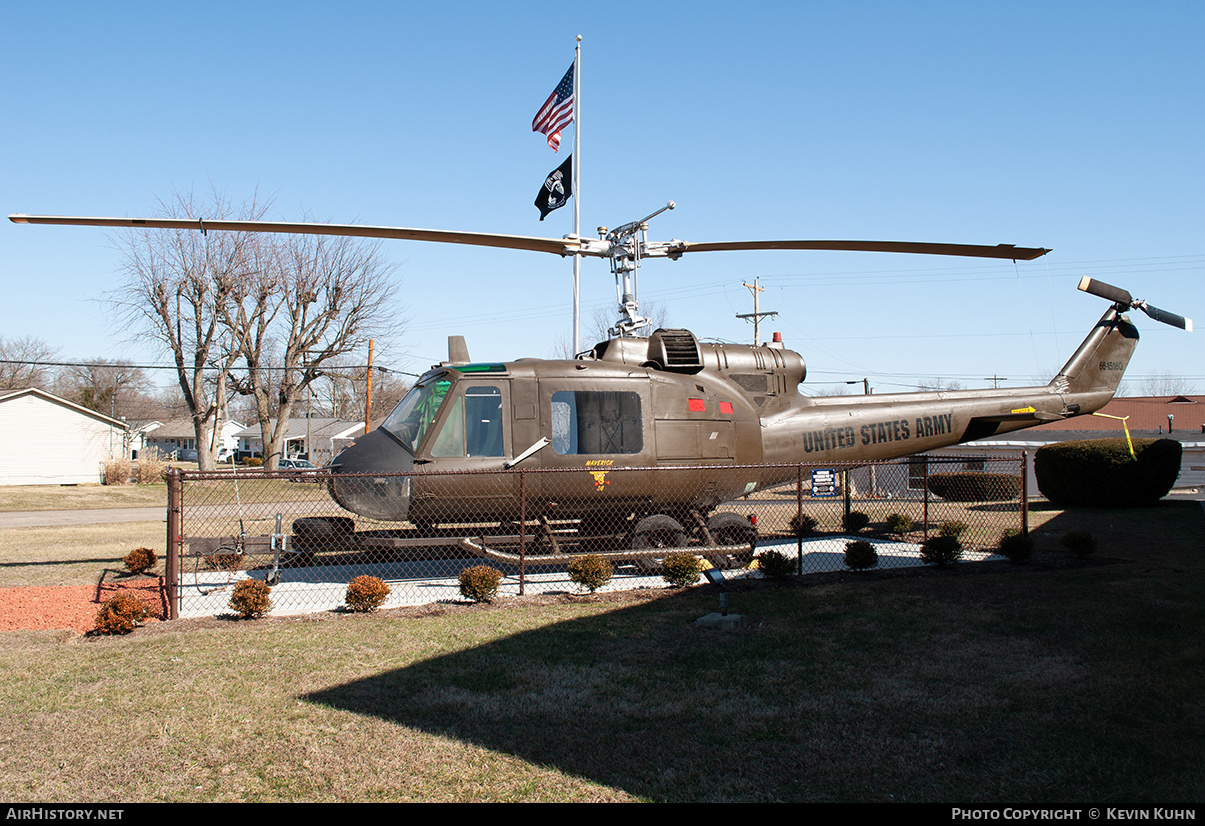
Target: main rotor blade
<point>557,246</point>
<point>1007,251</point>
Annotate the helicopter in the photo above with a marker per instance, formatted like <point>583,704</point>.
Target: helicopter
<point>728,417</point>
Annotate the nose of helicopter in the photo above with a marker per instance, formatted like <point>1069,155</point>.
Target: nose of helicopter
<point>385,495</point>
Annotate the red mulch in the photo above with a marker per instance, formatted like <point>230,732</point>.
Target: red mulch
<point>74,606</point>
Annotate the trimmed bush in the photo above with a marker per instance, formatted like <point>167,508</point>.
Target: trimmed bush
<point>1080,543</point>
<point>975,486</point>
<point>898,523</point>
<point>1015,546</point>
<point>140,559</point>
<point>940,551</point>
<point>366,594</point>
<point>775,564</point>
<point>803,525</point>
<point>590,571</point>
<point>952,528</point>
<point>1101,473</point>
<point>120,615</point>
<point>860,555</point>
<point>250,598</point>
<point>855,522</point>
<point>681,569</point>
<point>480,583</point>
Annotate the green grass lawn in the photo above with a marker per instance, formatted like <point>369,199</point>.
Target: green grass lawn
<point>1058,682</point>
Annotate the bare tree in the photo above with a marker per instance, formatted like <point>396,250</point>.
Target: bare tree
<point>313,300</point>
<point>1165,383</point>
<point>178,288</point>
<point>114,388</point>
<point>601,321</point>
<point>21,364</point>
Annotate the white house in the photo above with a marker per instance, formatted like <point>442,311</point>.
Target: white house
<point>45,440</point>
<point>180,434</point>
<point>328,436</point>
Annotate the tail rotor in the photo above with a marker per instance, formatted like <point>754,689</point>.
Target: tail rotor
<point>1125,301</point>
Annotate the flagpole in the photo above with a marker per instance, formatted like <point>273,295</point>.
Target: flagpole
<point>577,191</point>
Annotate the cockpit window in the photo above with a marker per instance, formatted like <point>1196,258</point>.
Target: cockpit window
<point>473,426</point>
<point>413,416</point>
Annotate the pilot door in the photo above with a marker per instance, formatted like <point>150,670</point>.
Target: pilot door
<point>471,438</point>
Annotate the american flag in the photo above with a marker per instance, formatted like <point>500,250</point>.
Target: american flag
<point>557,111</point>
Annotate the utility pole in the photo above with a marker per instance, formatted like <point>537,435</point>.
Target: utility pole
<point>995,380</point>
<point>756,315</point>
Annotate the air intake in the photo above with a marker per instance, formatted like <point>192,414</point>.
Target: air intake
<point>676,350</point>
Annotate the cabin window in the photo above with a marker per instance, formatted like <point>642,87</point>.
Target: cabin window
<point>473,426</point>
<point>590,422</point>
<point>414,415</point>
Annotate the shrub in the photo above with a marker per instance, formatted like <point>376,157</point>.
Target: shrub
<point>855,521</point>
<point>117,471</point>
<point>898,523</point>
<point>1101,473</point>
<point>775,564</point>
<point>975,486</point>
<point>251,598</point>
<point>252,461</point>
<point>480,583</point>
<point>940,551</point>
<point>681,569</point>
<point>366,594</point>
<point>1079,543</point>
<point>151,467</point>
<point>120,615</point>
<point>952,528</point>
<point>860,555</point>
<point>803,525</point>
<point>140,559</point>
<point>1015,546</point>
<point>590,571</point>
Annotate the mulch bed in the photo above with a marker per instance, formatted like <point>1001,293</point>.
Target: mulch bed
<point>74,607</point>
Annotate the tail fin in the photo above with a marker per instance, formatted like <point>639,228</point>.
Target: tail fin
<point>1101,359</point>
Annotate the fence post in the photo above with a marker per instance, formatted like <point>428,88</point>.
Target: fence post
<point>799,519</point>
<point>1025,493</point>
<point>925,465</point>
<point>522,531</point>
<point>171,564</point>
<point>845,487</point>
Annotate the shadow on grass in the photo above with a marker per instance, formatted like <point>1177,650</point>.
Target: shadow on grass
<point>926,688</point>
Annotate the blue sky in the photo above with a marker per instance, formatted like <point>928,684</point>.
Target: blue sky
<point>1073,126</point>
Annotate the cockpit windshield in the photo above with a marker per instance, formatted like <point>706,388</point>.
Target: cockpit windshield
<point>414,415</point>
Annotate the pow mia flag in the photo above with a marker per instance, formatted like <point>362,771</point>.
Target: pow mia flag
<point>557,189</point>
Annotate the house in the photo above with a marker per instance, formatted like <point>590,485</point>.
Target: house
<point>180,434</point>
<point>327,437</point>
<point>46,440</point>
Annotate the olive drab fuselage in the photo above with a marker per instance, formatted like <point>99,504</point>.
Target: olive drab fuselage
<point>721,415</point>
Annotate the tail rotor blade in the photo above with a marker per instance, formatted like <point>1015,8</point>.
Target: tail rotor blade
<point>1100,288</point>
<point>1167,318</point>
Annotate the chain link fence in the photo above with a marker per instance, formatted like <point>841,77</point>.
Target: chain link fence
<point>288,528</point>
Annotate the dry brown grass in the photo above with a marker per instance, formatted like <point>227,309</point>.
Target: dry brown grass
<point>1059,682</point>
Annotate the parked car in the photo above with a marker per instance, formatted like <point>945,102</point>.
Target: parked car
<point>310,470</point>
<point>187,456</point>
